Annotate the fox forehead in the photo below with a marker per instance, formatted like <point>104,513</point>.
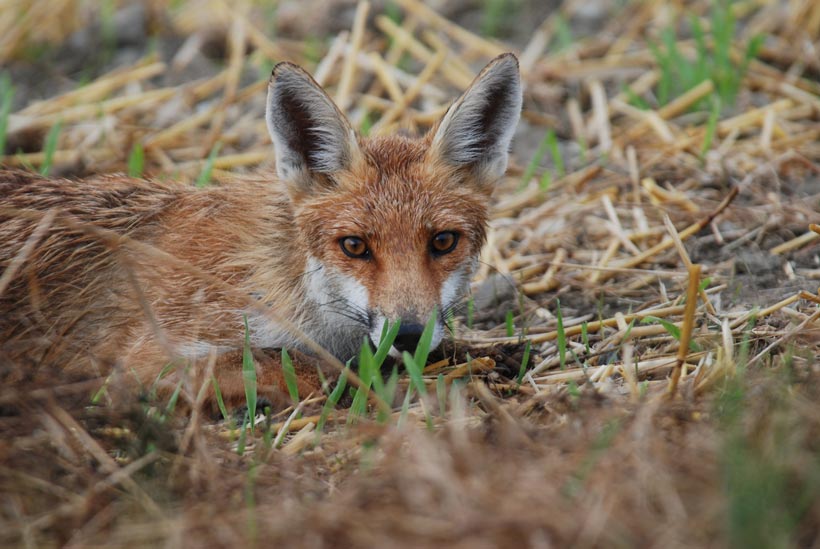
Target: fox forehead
<point>395,196</point>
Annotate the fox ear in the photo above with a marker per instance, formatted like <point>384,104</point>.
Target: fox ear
<point>310,135</point>
<point>477,129</point>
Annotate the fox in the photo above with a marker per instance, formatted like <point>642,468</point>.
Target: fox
<point>348,234</point>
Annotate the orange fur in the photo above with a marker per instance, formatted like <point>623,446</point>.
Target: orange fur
<point>109,283</point>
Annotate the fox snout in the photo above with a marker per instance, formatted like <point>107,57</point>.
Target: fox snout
<point>408,337</point>
<point>409,334</point>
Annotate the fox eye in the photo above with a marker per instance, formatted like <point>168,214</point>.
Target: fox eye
<point>444,243</point>
<point>354,247</point>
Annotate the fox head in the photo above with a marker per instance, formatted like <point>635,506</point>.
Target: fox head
<point>393,226</point>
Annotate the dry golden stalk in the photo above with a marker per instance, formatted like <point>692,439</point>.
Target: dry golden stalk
<point>794,243</point>
<point>609,253</point>
<point>592,327</point>
<point>548,281</point>
<point>301,440</point>
<point>753,117</point>
<point>343,94</point>
<point>107,463</point>
<point>686,233</point>
<point>476,366</point>
<point>687,262</point>
<point>236,60</point>
<point>380,67</point>
<point>645,118</point>
<point>687,328</point>
<point>600,115</point>
<point>327,65</point>
<point>740,321</point>
<point>658,195</point>
<point>809,296</point>
<point>458,33</point>
<point>411,94</point>
<point>98,89</point>
<point>455,72</point>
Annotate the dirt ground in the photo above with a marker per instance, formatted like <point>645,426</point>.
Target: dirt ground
<point>613,434</point>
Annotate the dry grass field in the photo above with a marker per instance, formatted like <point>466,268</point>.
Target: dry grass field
<point>638,364</point>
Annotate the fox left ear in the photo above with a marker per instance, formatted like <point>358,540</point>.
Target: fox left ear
<point>310,135</point>
<point>477,129</point>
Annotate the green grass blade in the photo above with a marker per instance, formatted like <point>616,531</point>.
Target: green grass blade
<point>423,348</point>
<point>441,394</point>
<point>332,399</point>
<point>6,100</point>
<point>525,360</point>
<point>562,336</point>
<point>249,375</point>
<point>542,149</point>
<point>711,126</point>
<point>220,402</point>
<point>50,147</point>
<point>291,380</point>
<point>555,153</point>
<point>509,323</point>
<point>205,175</point>
<point>136,160</point>
<point>414,368</point>
<point>389,333</point>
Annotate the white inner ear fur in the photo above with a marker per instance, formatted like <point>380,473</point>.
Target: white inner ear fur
<point>478,128</point>
<point>309,133</point>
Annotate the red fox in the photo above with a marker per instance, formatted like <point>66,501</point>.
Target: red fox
<point>352,232</point>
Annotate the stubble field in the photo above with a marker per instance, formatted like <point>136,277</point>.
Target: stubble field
<point>637,365</point>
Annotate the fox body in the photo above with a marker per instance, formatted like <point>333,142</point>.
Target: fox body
<point>350,233</point>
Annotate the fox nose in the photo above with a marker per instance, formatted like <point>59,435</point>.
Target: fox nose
<point>408,337</point>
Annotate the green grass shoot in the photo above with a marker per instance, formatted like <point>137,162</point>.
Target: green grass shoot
<point>172,401</point>
<point>711,126</point>
<point>562,336</point>
<point>525,360</point>
<point>249,374</point>
<point>532,166</point>
<point>585,335</point>
<point>555,153</point>
<point>333,399</point>
<point>220,402</point>
<point>671,328</point>
<point>208,168</point>
<point>250,505</point>
<point>563,34</point>
<point>494,16</point>
<point>712,60</point>
<point>291,381</point>
<point>136,160</point>
<point>6,100</point>
<point>366,125</point>
<point>50,147</point>
<point>367,370</point>
<point>414,369</point>
<point>509,323</point>
<point>441,394</point>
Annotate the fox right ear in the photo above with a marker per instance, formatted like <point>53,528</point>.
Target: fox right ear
<point>477,129</point>
<point>310,135</point>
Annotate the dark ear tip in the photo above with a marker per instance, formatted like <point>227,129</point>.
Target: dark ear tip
<point>508,59</point>
<point>508,56</point>
<point>285,67</point>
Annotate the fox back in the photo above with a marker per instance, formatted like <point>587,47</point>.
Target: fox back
<point>352,232</point>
